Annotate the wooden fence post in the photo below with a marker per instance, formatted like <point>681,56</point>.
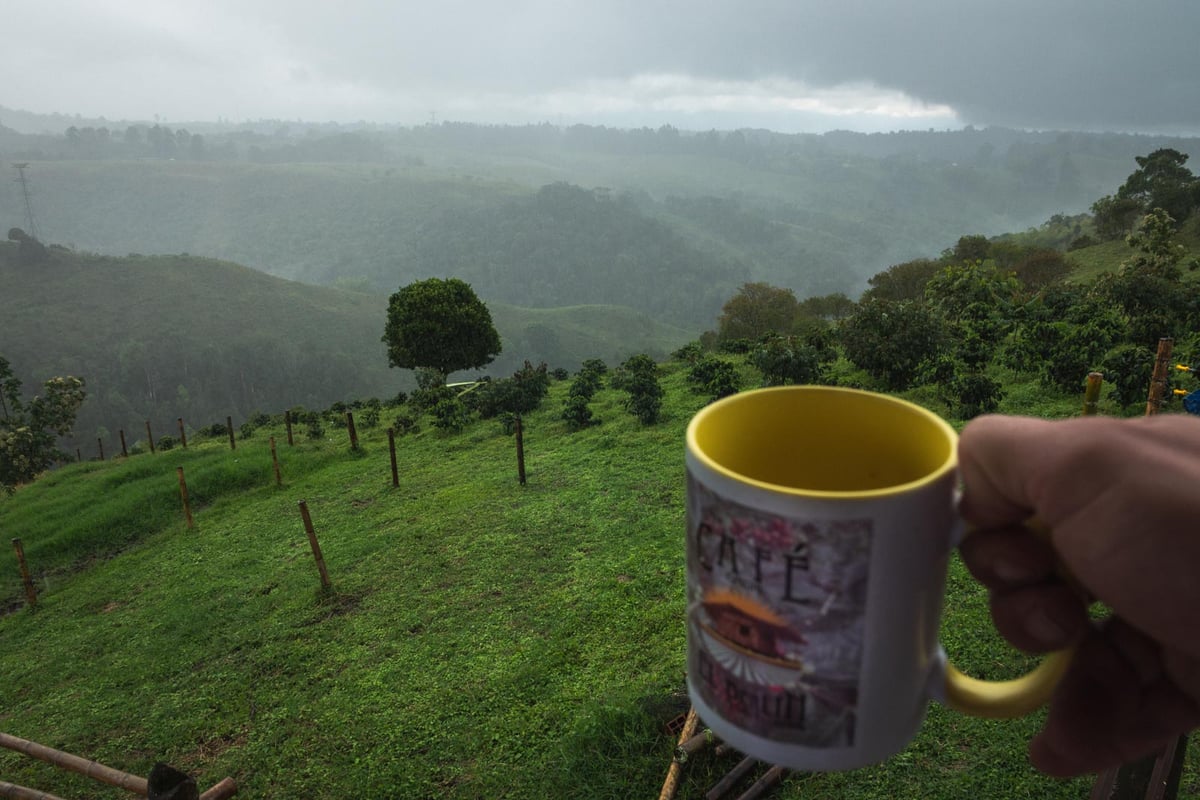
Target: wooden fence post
<point>1158,382</point>
<point>100,445</point>
<point>392,451</point>
<point>229,426</point>
<point>124,452</point>
<point>78,455</point>
<point>352,429</point>
<point>1155,776</point>
<point>316,548</point>
<point>149,436</point>
<point>287,421</point>
<point>182,434</point>
<point>1091,397</point>
<point>187,505</point>
<point>275,461</point>
<point>520,452</point>
<point>30,592</point>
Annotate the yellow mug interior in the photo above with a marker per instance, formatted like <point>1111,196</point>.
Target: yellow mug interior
<point>823,440</point>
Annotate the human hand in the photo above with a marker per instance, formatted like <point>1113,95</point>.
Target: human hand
<point>1121,499</point>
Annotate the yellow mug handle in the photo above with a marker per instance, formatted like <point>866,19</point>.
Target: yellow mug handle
<point>1006,699</point>
<point>1019,696</point>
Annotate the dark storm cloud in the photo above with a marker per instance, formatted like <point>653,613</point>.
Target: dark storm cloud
<point>1092,64</point>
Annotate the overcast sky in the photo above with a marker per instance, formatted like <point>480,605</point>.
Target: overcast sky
<point>788,65</point>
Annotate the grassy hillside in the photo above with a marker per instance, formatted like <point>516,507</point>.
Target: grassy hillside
<point>158,337</point>
<point>482,640</point>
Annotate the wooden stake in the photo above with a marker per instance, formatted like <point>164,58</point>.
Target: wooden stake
<point>229,426</point>
<point>316,548</point>
<point>1091,397</point>
<point>671,784</point>
<point>78,455</point>
<point>182,434</point>
<point>187,505</point>
<point>275,461</point>
<point>520,452</point>
<point>1158,383</point>
<point>30,592</point>
<point>100,444</point>
<point>392,451</point>
<point>287,421</point>
<point>149,436</point>
<point>353,431</point>
<point>124,452</point>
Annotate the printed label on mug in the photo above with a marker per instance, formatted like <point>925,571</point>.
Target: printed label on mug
<point>776,611</point>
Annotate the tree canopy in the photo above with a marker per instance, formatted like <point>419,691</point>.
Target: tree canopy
<point>757,309</point>
<point>440,324</point>
<point>28,429</point>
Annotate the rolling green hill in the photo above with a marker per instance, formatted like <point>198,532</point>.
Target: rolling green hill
<point>482,639</point>
<point>167,336</point>
<point>543,216</point>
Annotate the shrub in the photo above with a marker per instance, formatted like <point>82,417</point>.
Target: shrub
<point>315,429</point>
<point>370,417</point>
<point>791,359</point>
<point>638,376</point>
<point>246,430</point>
<point>690,353</point>
<point>166,442</point>
<point>715,376</point>
<point>577,413</point>
<point>450,415</point>
<point>405,424</point>
<point>213,431</point>
<point>560,373</point>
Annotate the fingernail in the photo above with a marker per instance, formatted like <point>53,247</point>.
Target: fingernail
<point>1044,628</point>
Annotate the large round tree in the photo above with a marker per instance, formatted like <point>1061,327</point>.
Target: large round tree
<point>440,324</point>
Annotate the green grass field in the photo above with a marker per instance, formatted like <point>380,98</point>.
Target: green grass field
<point>482,639</point>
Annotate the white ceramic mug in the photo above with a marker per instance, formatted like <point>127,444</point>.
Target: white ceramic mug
<point>820,521</point>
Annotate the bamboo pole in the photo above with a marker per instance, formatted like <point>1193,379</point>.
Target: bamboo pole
<point>671,784</point>
<point>287,422</point>
<point>182,434</point>
<point>392,451</point>
<point>1091,397</point>
<point>14,792</point>
<point>149,436</point>
<point>316,548</point>
<point>352,429</point>
<point>229,427</point>
<point>275,461</point>
<point>90,769</point>
<point>1158,382</point>
<point>124,451</point>
<point>695,744</point>
<point>187,505</point>
<point>225,789</point>
<point>30,592</point>
<point>729,781</point>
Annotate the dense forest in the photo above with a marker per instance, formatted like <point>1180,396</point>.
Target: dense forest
<point>376,207</point>
<point>676,235</point>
